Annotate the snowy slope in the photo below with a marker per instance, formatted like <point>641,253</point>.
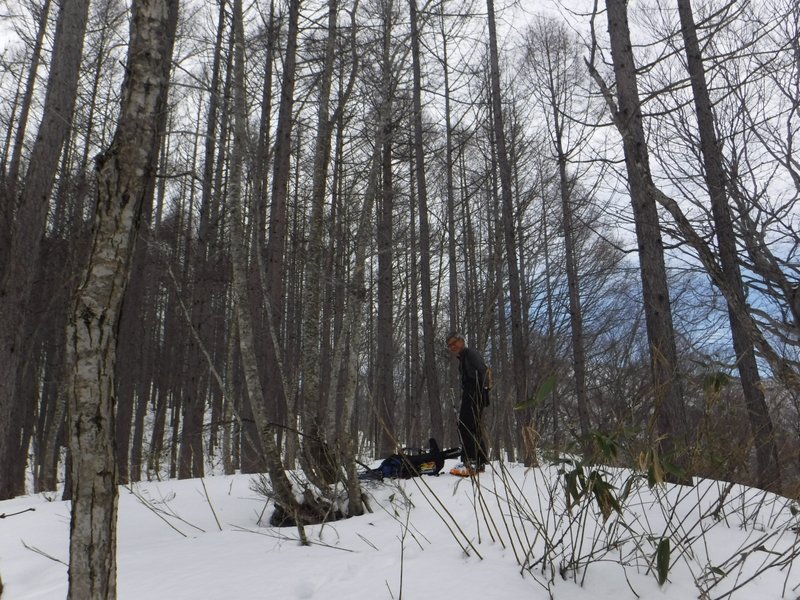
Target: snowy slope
<point>435,537</point>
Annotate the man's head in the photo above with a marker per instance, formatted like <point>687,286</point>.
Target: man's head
<point>455,342</point>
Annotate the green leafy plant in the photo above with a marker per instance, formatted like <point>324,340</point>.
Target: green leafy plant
<point>583,484</point>
<point>663,555</point>
<point>542,392</point>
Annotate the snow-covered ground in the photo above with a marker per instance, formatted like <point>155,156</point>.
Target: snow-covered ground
<point>427,538</point>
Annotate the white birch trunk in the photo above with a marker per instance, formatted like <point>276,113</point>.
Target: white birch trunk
<point>92,333</point>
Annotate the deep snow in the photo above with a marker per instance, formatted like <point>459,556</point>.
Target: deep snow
<point>428,538</point>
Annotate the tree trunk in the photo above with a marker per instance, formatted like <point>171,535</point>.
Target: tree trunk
<point>137,439</point>
<point>29,225</point>
<point>452,259</point>
<point>384,363</point>
<point>22,119</point>
<point>455,318</point>
<point>575,312</point>
<point>265,123</point>
<point>278,223</point>
<point>769,472</point>
<point>557,90</point>
<point>247,343</point>
<point>313,399</point>
<point>200,281</point>
<point>783,369</point>
<point>669,407</point>
<point>92,330</point>
<point>519,359</point>
<point>428,332</point>
<point>414,370</point>
<point>333,307</point>
<point>354,320</point>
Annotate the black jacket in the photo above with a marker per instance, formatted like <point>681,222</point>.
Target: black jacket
<point>473,376</point>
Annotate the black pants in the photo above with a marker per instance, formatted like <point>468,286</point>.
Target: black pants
<point>470,430</point>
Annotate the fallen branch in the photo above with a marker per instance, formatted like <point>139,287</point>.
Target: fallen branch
<point>43,553</point>
<point>6,515</point>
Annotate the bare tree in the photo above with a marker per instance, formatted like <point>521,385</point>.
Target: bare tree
<point>281,485</point>
<point>783,367</point>
<point>25,104</point>
<point>92,330</point>
<point>29,226</point>
<point>384,363</point>
<point>452,272</point>
<point>769,476</point>
<point>278,220</point>
<point>200,284</point>
<point>315,400</point>
<point>556,71</point>
<point>668,394</point>
<point>518,359</point>
<point>428,335</point>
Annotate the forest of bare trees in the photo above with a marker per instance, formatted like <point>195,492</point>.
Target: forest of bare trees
<point>603,197</point>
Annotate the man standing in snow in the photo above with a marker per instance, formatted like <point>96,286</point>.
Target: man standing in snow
<point>474,399</point>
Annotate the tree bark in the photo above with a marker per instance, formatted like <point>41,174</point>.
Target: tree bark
<point>29,225</point>
<point>252,379</point>
<point>25,105</point>
<point>314,400</point>
<point>668,394</point>
<point>429,335</point>
<point>384,363</point>
<point>355,322</point>
<point>200,280</point>
<point>121,174</point>
<point>557,72</point>
<point>769,472</point>
<point>452,263</point>
<point>783,368</point>
<point>519,359</point>
<point>278,223</point>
